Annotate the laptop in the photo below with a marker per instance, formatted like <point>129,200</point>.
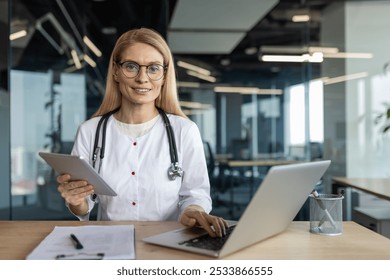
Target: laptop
<point>273,207</point>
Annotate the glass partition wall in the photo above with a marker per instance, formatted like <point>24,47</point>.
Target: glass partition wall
<point>48,100</point>
<point>57,80</point>
<point>5,177</point>
<point>326,105</point>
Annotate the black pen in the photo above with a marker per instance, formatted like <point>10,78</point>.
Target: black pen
<point>77,242</point>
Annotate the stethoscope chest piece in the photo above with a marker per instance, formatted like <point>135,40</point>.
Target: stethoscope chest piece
<point>175,171</point>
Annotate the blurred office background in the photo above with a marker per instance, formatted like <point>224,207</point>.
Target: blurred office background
<point>273,81</point>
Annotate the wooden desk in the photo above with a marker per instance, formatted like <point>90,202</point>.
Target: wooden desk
<point>379,187</point>
<point>19,238</point>
<point>258,162</point>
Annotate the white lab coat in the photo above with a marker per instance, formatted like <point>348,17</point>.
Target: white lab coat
<point>136,168</point>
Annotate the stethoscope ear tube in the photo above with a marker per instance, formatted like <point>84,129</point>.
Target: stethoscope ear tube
<point>171,138</point>
<point>174,170</point>
<point>103,120</point>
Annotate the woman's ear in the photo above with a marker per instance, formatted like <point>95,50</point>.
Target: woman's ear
<point>115,71</point>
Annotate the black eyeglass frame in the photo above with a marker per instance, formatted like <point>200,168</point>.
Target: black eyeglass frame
<point>164,67</point>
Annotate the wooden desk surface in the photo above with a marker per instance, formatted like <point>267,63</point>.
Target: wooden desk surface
<point>376,186</point>
<point>19,238</point>
<point>258,162</point>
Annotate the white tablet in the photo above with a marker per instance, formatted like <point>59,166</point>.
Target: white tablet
<point>79,169</point>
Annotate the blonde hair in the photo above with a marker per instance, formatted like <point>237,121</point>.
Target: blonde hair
<point>168,99</point>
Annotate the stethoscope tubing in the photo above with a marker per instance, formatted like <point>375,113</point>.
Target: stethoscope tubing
<point>171,138</point>
<point>173,171</point>
<point>103,120</point>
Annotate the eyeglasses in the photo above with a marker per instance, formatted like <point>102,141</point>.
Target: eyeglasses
<point>131,69</point>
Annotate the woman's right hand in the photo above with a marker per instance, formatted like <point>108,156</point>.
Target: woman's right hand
<point>75,193</point>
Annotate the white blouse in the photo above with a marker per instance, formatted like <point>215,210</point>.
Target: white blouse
<point>136,168</point>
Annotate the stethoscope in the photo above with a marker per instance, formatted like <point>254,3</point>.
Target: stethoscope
<point>174,169</point>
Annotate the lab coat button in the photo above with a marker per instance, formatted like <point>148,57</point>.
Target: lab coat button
<point>135,144</point>
<point>133,173</point>
<point>133,203</point>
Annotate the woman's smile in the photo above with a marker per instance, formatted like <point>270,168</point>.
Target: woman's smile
<point>141,90</point>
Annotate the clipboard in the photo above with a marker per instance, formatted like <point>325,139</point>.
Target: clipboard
<point>79,169</point>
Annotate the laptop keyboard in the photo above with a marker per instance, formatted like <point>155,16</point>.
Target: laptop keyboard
<point>208,242</point>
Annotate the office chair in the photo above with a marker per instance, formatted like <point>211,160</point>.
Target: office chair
<point>223,182</point>
<point>218,180</point>
<point>210,160</point>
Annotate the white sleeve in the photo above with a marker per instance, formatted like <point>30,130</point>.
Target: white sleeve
<point>195,188</point>
<point>84,141</point>
<point>85,217</point>
<point>82,147</point>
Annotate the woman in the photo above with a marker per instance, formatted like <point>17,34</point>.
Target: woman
<point>140,82</point>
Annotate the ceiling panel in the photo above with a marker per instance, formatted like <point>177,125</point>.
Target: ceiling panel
<point>204,42</point>
<point>214,26</point>
<point>219,14</point>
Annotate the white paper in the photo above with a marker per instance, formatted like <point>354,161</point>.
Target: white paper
<point>114,241</point>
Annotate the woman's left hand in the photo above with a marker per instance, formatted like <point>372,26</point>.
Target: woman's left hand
<point>195,215</point>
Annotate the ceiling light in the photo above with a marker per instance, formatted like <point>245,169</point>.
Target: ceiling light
<point>202,76</point>
<point>269,91</point>
<point>246,90</point>
<point>300,18</point>
<point>324,50</point>
<point>251,50</point>
<point>193,68</point>
<point>66,41</point>
<point>76,59</point>
<point>17,35</point>
<point>344,78</point>
<point>283,49</point>
<point>281,58</point>
<point>89,61</point>
<point>92,46</point>
<point>195,105</point>
<point>109,30</point>
<point>188,84</point>
<point>297,49</point>
<point>320,79</point>
<point>315,58</point>
<point>348,55</point>
<point>225,62</point>
<point>71,69</point>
